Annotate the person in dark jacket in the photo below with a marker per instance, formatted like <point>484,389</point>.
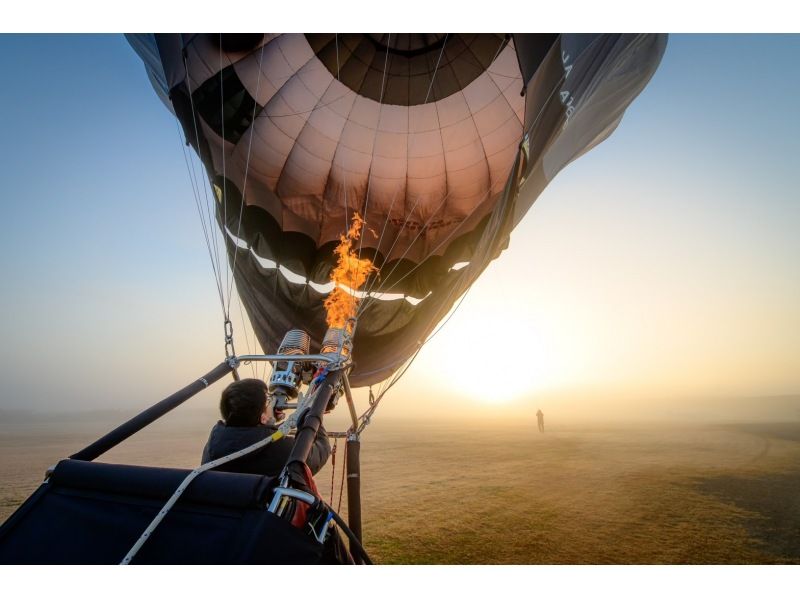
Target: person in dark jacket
<point>248,416</point>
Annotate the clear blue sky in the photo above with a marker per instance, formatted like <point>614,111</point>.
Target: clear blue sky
<point>664,262</point>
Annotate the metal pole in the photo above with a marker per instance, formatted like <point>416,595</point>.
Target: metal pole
<point>354,485</point>
<point>148,416</point>
<point>348,393</point>
<point>307,433</point>
<point>314,357</point>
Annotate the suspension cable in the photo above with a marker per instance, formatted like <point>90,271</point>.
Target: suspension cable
<point>216,265</point>
<point>208,224</point>
<point>427,95</point>
<point>244,184</point>
<point>370,299</point>
<point>436,68</point>
<point>419,234</point>
<point>482,247</point>
<point>534,123</point>
<point>375,138</point>
<point>342,477</point>
<point>224,185</point>
<point>196,195</point>
<point>333,465</point>
<point>365,417</point>
<point>209,232</point>
<point>402,228</point>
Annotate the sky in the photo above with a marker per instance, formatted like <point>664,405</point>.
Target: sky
<point>658,270</point>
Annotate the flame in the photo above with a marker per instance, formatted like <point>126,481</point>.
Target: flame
<point>351,272</point>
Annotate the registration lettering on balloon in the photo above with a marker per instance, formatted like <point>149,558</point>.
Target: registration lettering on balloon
<point>566,96</point>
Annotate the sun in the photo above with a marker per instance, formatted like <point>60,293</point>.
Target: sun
<point>491,364</point>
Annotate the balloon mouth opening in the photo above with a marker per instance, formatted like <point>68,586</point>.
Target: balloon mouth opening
<point>399,68</point>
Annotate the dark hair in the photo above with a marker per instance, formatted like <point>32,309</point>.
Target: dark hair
<point>243,402</point>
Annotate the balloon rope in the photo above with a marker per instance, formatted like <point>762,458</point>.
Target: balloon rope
<point>369,175</point>
<point>341,483</point>
<point>396,238</point>
<point>374,139</point>
<point>333,466</point>
<point>364,418</point>
<point>499,48</point>
<point>246,170</point>
<point>253,364</point>
<point>397,263</point>
<point>532,126</point>
<point>380,238</point>
<point>389,382</point>
<point>215,254</point>
<point>421,230</point>
<point>224,178</point>
<point>388,215</point>
<point>273,114</point>
<point>196,196</point>
<point>336,37</point>
<point>447,194</point>
<point>436,68</point>
<point>207,232</point>
<point>459,287</point>
<point>435,249</point>
<point>344,170</point>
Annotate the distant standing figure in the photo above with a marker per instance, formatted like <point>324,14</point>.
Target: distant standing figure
<point>540,419</point>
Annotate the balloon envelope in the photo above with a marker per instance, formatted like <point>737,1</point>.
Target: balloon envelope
<point>441,142</point>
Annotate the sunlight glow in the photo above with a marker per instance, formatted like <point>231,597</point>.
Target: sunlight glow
<point>493,362</point>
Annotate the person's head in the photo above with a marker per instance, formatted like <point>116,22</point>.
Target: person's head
<point>245,403</point>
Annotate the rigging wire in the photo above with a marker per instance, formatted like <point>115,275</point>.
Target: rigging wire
<point>410,245</point>
<point>436,68</point>
<point>364,418</point>
<point>375,138</point>
<point>389,213</point>
<point>402,228</point>
<point>497,53</point>
<point>342,477</point>
<point>533,124</point>
<point>386,386</point>
<point>381,290</point>
<point>244,184</point>
<point>253,365</point>
<point>196,195</point>
<point>376,275</point>
<point>482,247</point>
<point>224,173</point>
<point>280,80</point>
<point>211,230</point>
<point>216,266</point>
<point>333,465</point>
<point>391,381</point>
<point>207,224</point>
<point>344,171</point>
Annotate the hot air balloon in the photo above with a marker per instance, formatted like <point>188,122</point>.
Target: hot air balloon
<point>441,142</point>
<point>388,168</point>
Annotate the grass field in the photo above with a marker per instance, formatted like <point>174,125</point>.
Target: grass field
<point>470,493</point>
